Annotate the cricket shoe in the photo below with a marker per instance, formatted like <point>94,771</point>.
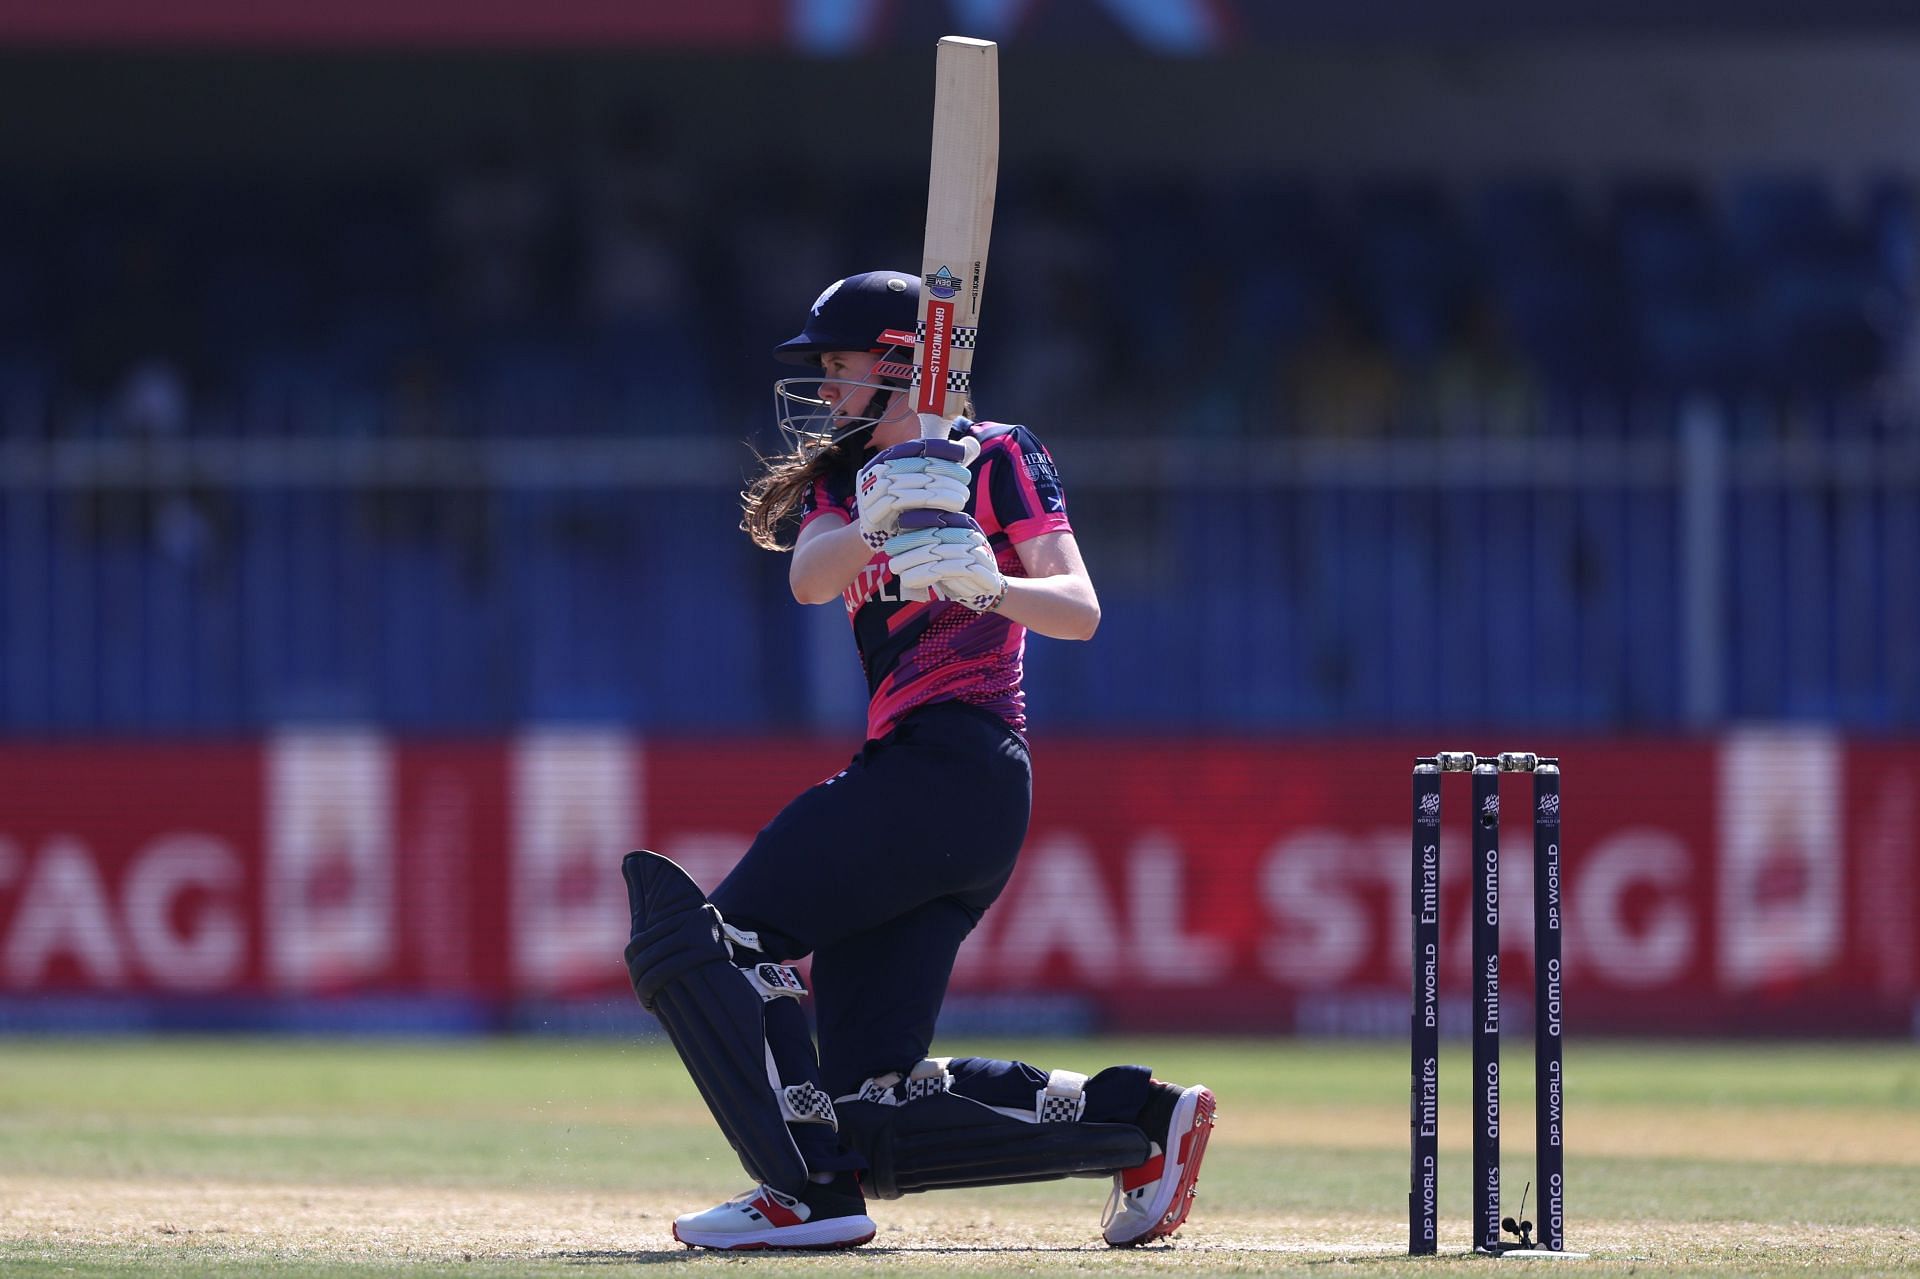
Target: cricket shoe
<point>821,1217</point>
<point>1150,1201</point>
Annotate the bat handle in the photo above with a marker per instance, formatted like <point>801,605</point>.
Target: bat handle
<point>932,427</point>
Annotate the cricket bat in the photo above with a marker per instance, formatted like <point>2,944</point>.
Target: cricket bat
<point>953,264</point>
<point>962,174</point>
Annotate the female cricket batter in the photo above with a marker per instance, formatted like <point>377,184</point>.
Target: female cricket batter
<point>944,554</point>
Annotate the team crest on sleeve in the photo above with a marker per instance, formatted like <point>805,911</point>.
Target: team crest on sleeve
<point>1040,466</point>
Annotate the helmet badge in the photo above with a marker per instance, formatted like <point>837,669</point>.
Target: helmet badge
<point>831,289</point>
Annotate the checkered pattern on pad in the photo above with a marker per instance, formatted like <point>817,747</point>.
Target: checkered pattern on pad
<point>1063,1100</point>
<point>1061,1110</point>
<point>808,1104</point>
<point>931,1086</point>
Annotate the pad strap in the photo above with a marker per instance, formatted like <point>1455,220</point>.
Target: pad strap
<point>1063,1100</point>
<point>774,981</point>
<point>928,1079</point>
<point>806,1103</point>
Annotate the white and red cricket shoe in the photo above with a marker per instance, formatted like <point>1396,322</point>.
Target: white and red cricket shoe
<point>1150,1201</point>
<point>822,1217</point>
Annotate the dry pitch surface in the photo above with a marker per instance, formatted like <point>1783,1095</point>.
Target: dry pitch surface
<point>297,1158</point>
<point>349,1230</point>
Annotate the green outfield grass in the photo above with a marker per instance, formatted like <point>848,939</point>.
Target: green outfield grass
<point>310,1157</point>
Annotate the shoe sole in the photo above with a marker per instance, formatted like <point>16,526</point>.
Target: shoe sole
<point>1172,1213</point>
<point>808,1236</point>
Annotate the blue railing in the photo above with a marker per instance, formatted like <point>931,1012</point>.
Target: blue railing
<point>1709,564</point>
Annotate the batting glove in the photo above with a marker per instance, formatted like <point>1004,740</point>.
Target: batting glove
<point>918,475</point>
<point>949,555</point>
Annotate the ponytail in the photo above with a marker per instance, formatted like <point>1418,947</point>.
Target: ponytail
<point>777,492</point>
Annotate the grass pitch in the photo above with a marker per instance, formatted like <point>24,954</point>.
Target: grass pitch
<point>295,1157</point>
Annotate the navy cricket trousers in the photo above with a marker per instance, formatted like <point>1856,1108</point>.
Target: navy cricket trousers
<point>880,872</point>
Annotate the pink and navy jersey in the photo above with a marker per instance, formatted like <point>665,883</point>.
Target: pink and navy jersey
<point>918,653</point>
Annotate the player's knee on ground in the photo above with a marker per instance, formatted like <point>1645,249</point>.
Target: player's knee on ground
<point>921,1130</point>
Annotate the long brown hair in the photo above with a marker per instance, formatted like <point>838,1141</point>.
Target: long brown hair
<point>776,493</point>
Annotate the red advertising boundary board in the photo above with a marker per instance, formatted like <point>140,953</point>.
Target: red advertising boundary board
<point>1761,882</point>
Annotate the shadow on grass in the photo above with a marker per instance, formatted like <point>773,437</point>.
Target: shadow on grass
<point>661,1256</point>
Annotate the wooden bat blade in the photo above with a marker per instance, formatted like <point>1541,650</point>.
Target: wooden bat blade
<point>963,172</point>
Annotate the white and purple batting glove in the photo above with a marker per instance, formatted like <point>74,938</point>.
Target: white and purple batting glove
<point>918,475</point>
<point>948,554</point>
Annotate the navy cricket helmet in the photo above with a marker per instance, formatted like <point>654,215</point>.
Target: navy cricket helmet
<point>873,311</point>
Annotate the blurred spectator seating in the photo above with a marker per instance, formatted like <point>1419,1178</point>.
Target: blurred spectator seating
<point>1777,282</point>
<point>506,302</point>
